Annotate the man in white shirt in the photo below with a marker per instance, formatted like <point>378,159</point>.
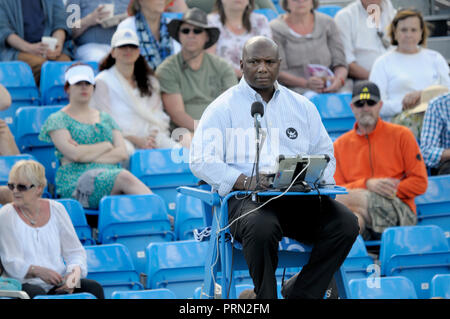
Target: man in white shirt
<point>223,155</point>
<point>363,27</point>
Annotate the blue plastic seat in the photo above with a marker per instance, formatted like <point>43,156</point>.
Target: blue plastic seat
<point>384,288</point>
<point>111,266</point>
<point>416,252</point>
<point>162,293</point>
<point>358,263</point>
<point>267,12</point>
<point>78,217</point>
<point>172,15</point>
<point>134,221</point>
<point>433,207</point>
<point>163,170</point>
<point>52,81</point>
<point>7,162</point>
<point>29,121</point>
<point>83,295</point>
<point>329,9</point>
<point>440,286</point>
<point>335,111</point>
<point>189,216</point>
<point>17,78</point>
<point>178,266</point>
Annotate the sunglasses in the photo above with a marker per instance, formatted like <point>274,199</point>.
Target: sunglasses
<point>361,103</point>
<point>19,187</point>
<point>188,30</point>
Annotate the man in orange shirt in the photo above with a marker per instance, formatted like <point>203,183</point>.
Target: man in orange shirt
<point>381,166</point>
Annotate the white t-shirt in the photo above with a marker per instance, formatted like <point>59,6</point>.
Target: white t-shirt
<point>54,245</point>
<point>359,32</point>
<point>397,74</point>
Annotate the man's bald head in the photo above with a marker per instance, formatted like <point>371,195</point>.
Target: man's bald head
<point>262,44</point>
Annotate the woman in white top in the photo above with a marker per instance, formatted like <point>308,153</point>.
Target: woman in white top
<point>127,89</point>
<point>403,73</point>
<point>38,243</point>
<point>237,23</point>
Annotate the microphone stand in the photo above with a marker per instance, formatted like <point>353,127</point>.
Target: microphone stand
<point>257,126</point>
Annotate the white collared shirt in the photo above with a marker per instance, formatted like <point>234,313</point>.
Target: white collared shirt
<point>223,146</point>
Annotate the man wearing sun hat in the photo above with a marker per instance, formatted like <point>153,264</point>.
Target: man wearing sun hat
<point>191,79</point>
<point>381,166</point>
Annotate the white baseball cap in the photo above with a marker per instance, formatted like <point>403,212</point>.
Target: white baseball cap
<point>123,37</point>
<point>80,73</point>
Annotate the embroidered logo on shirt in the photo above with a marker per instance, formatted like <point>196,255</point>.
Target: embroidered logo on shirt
<point>291,133</point>
<point>419,158</point>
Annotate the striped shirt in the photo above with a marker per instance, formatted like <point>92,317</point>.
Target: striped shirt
<point>435,136</point>
<point>223,146</point>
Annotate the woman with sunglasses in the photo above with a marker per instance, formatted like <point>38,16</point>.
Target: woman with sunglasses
<point>89,145</point>
<point>127,89</point>
<point>237,23</point>
<point>38,244</point>
<point>402,74</point>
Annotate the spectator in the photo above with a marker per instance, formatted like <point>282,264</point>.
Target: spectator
<point>311,49</point>
<point>38,243</point>
<point>93,32</point>
<point>435,136</point>
<point>208,5</point>
<point>192,78</point>
<point>380,165</point>
<point>7,142</point>
<point>23,24</point>
<point>363,29</point>
<point>237,23</point>
<point>89,146</point>
<point>128,90</point>
<point>147,22</point>
<point>403,73</point>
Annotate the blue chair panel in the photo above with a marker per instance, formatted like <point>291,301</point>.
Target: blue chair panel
<point>29,121</point>
<point>329,9</point>
<point>383,288</point>
<point>189,216</point>
<point>52,81</point>
<point>358,263</point>
<point>440,286</point>
<point>162,293</point>
<point>433,207</point>
<point>163,170</point>
<point>335,111</point>
<point>172,15</point>
<point>7,162</point>
<point>134,221</point>
<point>267,12</point>
<point>178,266</point>
<point>78,217</point>
<point>111,265</point>
<point>10,284</point>
<point>83,295</point>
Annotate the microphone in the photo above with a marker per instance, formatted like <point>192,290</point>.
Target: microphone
<point>257,111</point>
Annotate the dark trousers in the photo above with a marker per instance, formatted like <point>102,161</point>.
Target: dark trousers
<point>86,285</point>
<point>319,221</point>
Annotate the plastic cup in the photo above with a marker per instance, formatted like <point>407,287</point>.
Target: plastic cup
<point>50,41</point>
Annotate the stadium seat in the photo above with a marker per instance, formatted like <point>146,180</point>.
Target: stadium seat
<point>83,295</point>
<point>433,207</point>
<point>440,286</point>
<point>17,78</point>
<point>189,216</point>
<point>29,121</point>
<point>178,266</point>
<point>144,294</point>
<point>134,221</point>
<point>76,213</point>
<point>52,81</point>
<point>111,265</point>
<point>384,288</point>
<point>329,9</point>
<point>7,162</point>
<point>11,289</point>
<point>163,170</point>
<point>172,15</point>
<point>335,111</point>
<point>358,263</point>
<point>415,252</point>
<point>268,13</point>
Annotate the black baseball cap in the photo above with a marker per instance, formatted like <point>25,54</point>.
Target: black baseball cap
<point>365,90</point>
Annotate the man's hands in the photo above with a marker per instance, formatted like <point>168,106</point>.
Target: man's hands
<point>386,187</point>
<point>249,183</point>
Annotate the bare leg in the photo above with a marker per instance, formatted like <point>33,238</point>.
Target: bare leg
<point>127,183</point>
<point>356,201</point>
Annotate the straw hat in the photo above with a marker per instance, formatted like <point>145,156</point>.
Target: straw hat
<point>427,95</point>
